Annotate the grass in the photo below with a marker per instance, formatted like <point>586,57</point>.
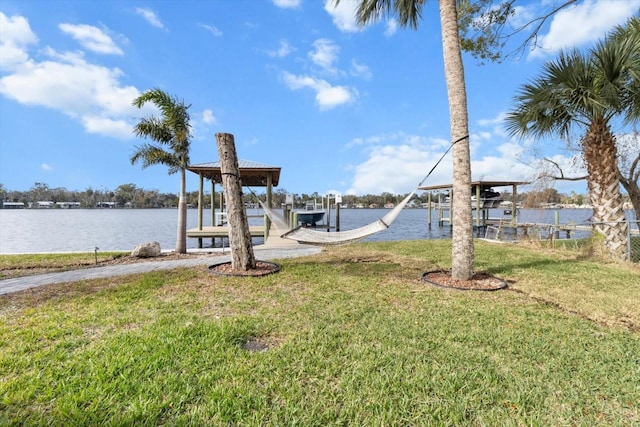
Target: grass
<point>353,336</point>
<point>27,264</point>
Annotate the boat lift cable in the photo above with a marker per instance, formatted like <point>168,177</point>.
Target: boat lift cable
<point>442,157</point>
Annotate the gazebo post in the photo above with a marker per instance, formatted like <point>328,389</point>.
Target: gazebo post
<point>200,201</point>
<point>514,208</point>
<point>267,221</point>
<point>429,209</point>
<point>212,211</point>
<point>221,206</point>
<point>200,207</point>
<point>478,212</point>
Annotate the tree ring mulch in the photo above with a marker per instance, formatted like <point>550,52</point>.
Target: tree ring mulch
<point>479,282</point>
<point>263,268</point>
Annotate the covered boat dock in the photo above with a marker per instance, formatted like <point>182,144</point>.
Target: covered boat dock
<point>481,201</point>
<point>252,174</point>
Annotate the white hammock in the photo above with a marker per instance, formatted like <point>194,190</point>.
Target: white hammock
<point>315,237</point>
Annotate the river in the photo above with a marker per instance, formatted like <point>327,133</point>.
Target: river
<point>82,230</point>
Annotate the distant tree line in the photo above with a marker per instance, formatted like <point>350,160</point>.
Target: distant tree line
<point>131,196</point>
<point>126,195</point>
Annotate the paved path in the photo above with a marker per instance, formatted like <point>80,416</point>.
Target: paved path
<point>261,253</point>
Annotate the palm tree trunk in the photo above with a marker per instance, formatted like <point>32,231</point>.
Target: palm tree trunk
<point>242,257</point>
<point>603,181</point>
<point>462,236</point>
<point>181,240</point>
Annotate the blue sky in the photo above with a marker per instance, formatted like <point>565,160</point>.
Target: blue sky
<point>339,108</point>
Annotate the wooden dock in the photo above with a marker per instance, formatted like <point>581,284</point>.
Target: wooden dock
<point>223,231</point>
<point>219,232</point>
<point>525,228</point>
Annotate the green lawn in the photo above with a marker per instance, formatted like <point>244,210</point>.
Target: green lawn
<point>352,336</point>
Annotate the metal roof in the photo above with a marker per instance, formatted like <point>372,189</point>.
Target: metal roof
<point>252,174</point>
<point>477,183</point>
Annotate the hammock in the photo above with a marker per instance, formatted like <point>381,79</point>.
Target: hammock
<point>314,237</point>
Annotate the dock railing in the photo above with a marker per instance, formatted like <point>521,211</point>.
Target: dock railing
<point>563,232</point>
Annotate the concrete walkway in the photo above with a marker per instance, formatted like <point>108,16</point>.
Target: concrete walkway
<point>263,252</point>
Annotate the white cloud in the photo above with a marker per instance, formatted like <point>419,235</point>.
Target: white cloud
<point>115,128</point>
<point>397,162</point>
<point>46,167</point>
<point>493,168</point>
<point>505,166</point>
<point>150,16</point>
<point>16,29</point>
<point>70,84</point>
<point>396,169</point>
<point>287,4</point>
<point>91,38</point>
<point>66,82</point>
<point>15,38</point>
<point>327,96</point>
<point>323,58</point>
<point>212,29</point>
<point>208,117</point>
<point>391,27</point>
<point>498,120</point>
<point>283,50</point>
<point>584,23</point>
<point>325,55</point>
<point>497,125</point>
<point>343,15</point>
<point>360,70</point>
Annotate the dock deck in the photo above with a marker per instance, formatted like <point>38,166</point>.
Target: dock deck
<point>219,232</point>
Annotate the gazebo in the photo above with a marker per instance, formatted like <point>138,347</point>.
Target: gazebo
<point>252,174</point>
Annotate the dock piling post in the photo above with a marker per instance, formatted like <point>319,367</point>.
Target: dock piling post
<point>429,210</point>
<point>328,213</point>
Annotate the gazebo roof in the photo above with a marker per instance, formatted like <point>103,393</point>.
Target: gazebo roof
<point>488,183</point>
<point>252,174</point>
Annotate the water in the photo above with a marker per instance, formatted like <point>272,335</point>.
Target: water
<point>82,230</point>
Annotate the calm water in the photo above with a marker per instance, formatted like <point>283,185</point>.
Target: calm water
<point>62,230</point>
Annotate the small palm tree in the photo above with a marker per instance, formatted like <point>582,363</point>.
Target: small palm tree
<point>171,134</point>
<point>588,91</point>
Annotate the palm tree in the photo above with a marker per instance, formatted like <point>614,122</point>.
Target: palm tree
<point>588,91</point>
<point>171,134</point>
<point>409,13</point>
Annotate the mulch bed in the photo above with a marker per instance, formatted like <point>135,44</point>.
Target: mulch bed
<point>479,281</point>
<point>262,269</point>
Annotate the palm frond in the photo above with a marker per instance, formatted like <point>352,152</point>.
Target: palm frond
<point>150,155</point>
<point>409,12</point>
<point>371,10</point>
<point>172,129</point>
<point>154,129</point>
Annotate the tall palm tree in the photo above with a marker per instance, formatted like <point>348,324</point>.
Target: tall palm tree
<point>409,13</point>
<point>588,91</point>
<point>172,136</point>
